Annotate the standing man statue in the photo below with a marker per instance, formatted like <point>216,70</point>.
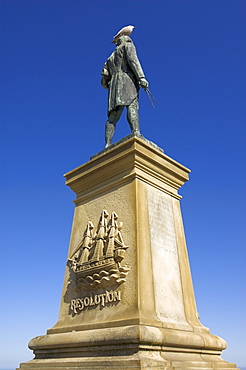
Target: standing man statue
<point>122,75</point>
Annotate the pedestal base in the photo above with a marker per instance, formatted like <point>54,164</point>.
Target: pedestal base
<point>140,360</point>
<point>130,347</point>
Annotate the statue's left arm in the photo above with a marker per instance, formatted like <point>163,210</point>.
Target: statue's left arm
<point>105,76</point>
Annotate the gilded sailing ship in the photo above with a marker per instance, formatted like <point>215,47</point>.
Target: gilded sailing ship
<point>97,259</point>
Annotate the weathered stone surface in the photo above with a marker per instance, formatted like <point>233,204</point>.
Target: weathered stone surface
<point>165,261</point>
<point>148,319</point>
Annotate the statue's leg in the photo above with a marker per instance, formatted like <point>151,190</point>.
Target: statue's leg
<point>113,118</point>
<point>132,116</point>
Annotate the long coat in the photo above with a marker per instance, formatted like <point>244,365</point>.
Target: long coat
<point>121,74</point>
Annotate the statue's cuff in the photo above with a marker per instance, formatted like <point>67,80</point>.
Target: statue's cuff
<point>104,72</point>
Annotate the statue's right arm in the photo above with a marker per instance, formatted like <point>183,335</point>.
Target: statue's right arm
<point>135,65</point>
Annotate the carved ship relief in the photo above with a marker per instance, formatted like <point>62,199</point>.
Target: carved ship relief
<point>97,259</point>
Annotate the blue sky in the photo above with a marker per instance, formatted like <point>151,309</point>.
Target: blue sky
<point>52,120</point>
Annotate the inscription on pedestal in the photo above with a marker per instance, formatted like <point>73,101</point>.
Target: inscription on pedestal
<point>80,304</point>
<point>166,273</point>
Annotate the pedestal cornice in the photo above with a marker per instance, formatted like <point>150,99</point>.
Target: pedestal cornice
<point>132,159</point>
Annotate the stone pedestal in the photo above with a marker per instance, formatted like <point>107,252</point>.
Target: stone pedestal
<point>128,300</point>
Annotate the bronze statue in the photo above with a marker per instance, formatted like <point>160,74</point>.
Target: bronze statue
<point>122,75</point>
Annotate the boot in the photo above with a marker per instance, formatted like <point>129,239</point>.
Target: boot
<point>133,119</point>
<point>109,133</point>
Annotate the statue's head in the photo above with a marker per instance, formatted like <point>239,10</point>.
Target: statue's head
<point>123,39</point>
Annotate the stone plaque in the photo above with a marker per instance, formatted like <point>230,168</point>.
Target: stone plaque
<point>165,260</point>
